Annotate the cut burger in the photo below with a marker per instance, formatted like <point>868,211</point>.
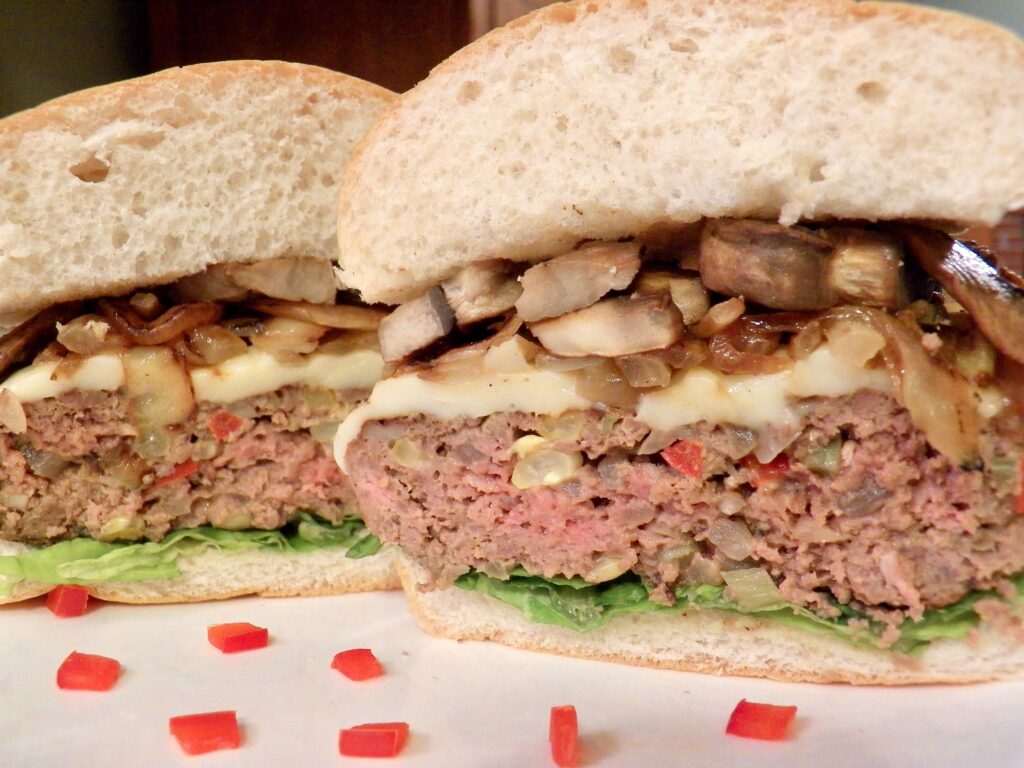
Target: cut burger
<point>690,368</point>
<point>178,353</point>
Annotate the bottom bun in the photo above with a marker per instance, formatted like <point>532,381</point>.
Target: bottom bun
<point>213,575</point>
<point>711,642</point>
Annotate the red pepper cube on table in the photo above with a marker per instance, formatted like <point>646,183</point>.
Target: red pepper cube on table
<point>563,733</point>
<point>767,722</point>
<point>242,636</point>
<point>206,732</point>
<point>373,739</point>
<point>86,672</point>
<point>357,664</point>
<point>66,601</point>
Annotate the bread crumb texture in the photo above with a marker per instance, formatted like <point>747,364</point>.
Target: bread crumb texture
<point>149,179</point>
<point>599,119</point>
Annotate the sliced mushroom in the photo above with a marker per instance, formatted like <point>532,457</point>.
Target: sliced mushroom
<point>768,264</point>
<point>415,325</point>
<point>26,339</point>
<point>343,316</point>
<point>292,279</point>
<point>577,279</point>
<point>481,291</point>
<point>867,268</point>
<point>171,324</point>
<point>613,328</point>
<point>994,302</point>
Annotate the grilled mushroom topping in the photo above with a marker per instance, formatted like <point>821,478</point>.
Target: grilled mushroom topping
<point>995,303</point>
<point>415,325</point>
<point>767,264</point>
<point>613,328</point>
<point>577,279</point>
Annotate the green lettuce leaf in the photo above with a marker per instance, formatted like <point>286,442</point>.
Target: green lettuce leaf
<point>87,561</point>
<point>577,605</point>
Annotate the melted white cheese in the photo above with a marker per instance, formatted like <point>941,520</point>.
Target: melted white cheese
<point>508,383</point>
<point>253,373</point>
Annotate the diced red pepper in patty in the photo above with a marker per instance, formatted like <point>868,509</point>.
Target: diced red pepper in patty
<point>206,732</point>
<point>563,734</point>
<point>241,636</point>
<point>373,739</point>
<point>686,457</point>
<point>223,424</point>
<point>357,664</point>
<point>767,722</point>
<point>771,472</point>
<point>180,472</point>
<point>67,600</point>
<point>86,672</point>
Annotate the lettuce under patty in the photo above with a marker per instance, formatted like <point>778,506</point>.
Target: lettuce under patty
<point>577,605</point>
<point>87,561</point>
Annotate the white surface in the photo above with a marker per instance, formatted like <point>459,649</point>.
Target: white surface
<point>467,704</point>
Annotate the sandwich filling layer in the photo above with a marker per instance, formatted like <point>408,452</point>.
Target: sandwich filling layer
<point>208,404</point>
<point>794,419</point>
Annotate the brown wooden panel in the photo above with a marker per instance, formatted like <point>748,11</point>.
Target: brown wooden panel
<point>391,42</point>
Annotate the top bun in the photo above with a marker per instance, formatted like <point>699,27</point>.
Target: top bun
<point>151,179</point>
<point>600,119</point>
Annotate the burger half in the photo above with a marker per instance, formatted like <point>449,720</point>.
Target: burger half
<point>181,355</point>
<point>689,368</point>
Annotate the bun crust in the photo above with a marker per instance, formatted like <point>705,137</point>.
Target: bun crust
<point>216,576</point>
<point>146,180</point>
<point>711,642</point>
<point>601,118</point>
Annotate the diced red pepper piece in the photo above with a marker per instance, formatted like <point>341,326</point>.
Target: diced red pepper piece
<point>563,733</point>
<point>86,672</point>
<point>771,472</point>
<point>206,732</point>
<point>67,600</point>
<point>242,636</point>
<point>357,664</point>
<point>180,472</point>
<point>760,721</point>
<point>1018,503</point>
<point>686,457</point>
<point>223,424</point>
<point>373,739</point>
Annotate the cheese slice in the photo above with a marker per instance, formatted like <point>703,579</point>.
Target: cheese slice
<point>508,383</point>
<point>253,373</point>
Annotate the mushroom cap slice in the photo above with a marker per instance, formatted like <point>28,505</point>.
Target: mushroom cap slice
<point>613,328</point>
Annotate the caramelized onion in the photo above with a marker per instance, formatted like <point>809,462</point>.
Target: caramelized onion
<point>645,370</point>
<point>604,383</point>
<point>25,340</point>
<point>214,344</point>
<point>720,317</point>
<point>89,335</point>
<point>282,334</point>
<point>171,324</point>
<point>342,316</point>
<point>159,396</point>
<point>292,279</point>
<point>941,403</point>
<point>212,284</point>
<point>726,358</point>
<point>12,414</point>
<point>43,463</point>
